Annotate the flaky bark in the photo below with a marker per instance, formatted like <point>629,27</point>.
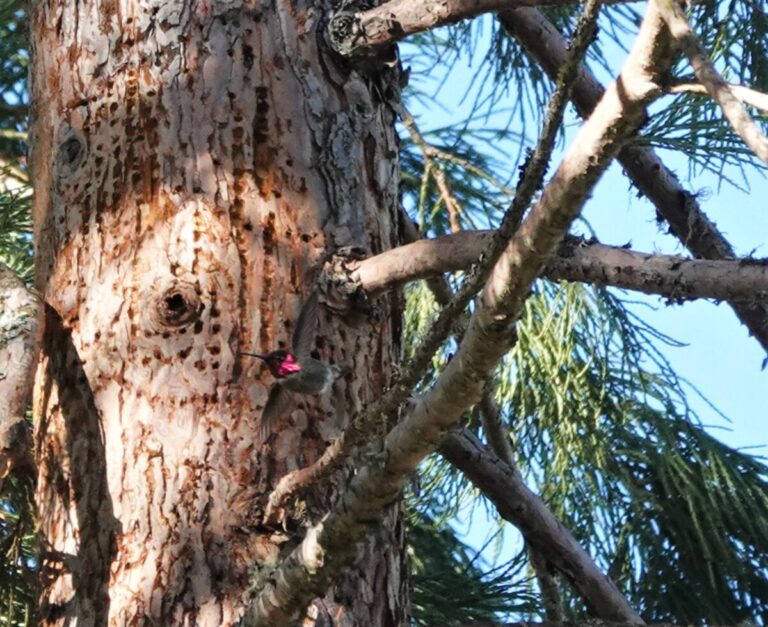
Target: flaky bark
<point>194,163</point>
<point>20,318</point>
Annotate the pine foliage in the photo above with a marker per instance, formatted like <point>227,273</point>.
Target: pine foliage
<point>601,424</point>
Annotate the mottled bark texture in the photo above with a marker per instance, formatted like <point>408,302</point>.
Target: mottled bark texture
<point>194,164</point>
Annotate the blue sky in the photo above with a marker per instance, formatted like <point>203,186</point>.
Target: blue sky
<point>719,358</point>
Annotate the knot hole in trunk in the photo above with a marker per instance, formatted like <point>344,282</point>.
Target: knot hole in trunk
<point>177,305</point>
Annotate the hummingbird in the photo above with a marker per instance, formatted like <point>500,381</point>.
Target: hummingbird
<point>294,370</point>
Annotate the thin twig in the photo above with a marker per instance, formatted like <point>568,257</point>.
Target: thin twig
<point>330,544</point>
<point>450,202</point>
<point>439,153</point>
<point>490,417</point>
<point>715,85</point>
<point>753,97</point>
<point>409,375</point>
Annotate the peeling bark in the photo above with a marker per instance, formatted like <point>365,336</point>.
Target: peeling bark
<point>194,164</point>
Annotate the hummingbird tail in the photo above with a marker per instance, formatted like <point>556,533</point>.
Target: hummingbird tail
<point>340,371</point>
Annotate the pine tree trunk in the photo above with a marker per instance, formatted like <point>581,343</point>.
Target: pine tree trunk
<point>194,164</point>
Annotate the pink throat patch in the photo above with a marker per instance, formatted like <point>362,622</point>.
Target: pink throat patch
<point>288,366</point>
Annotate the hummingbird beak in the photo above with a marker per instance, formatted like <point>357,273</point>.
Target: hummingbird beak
<point>264,357</point>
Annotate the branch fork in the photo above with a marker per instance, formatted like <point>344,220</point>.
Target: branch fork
<point>461,384</point>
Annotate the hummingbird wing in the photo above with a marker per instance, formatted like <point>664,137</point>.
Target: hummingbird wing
<point>278,405</point>
<point>306,325</point>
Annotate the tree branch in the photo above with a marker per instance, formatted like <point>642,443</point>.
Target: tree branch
<point>676,278</point>
<point>715,85</point>
<point>498,438</point>
<point>451,205</point>
<point>750,96</point>
<point>328,545</point>
<point>365,32</point>
<point>646,170</point>
<point>20,327</point>
<point>498,441</point>
<point>504,486</point>
<point>358,431</point>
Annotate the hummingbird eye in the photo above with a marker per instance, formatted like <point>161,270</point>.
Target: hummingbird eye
<point>278,356</point>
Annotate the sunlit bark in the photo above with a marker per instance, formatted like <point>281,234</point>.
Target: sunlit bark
<point>194,164</point>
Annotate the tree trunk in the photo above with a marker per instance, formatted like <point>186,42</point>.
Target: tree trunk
<point>194,164</point>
